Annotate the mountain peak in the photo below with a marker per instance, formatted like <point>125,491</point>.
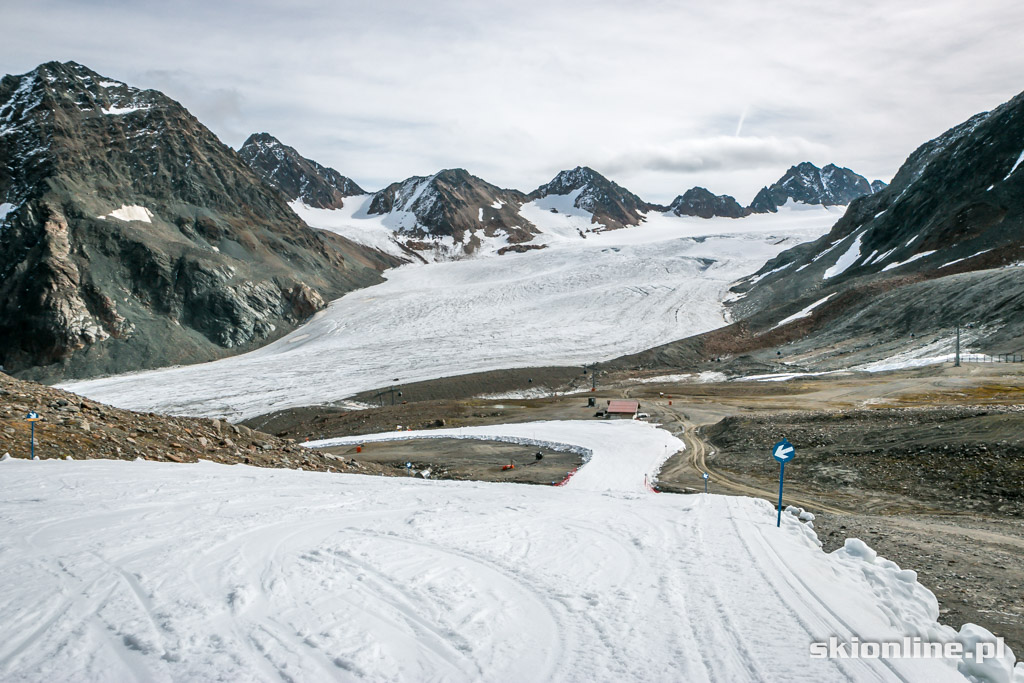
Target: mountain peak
<point>295,176</point>
<point>153,241</point>
<point>699,201</point>
<point>806,183</point>
<point>611,205</point>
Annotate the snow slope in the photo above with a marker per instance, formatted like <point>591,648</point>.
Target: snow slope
<point>156,571</point>
<point>578,300</point>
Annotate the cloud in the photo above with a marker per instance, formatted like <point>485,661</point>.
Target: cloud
<point>516,90</point>
<point>724,152</point>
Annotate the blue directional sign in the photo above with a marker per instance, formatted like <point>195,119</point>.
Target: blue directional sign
<point>706,475</point>
<point>783,451</point>
<point>32,418</point>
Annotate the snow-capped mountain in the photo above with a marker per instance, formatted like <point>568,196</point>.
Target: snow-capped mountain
<point>610,205</point>
<point>698,201</point>
<point>295,176</point>
<point>807,184</point>
<point>131,237</point>
<point>452,211</point>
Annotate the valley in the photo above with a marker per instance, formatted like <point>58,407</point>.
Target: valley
<point>303,430</point>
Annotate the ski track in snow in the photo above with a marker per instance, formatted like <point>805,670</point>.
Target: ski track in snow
<point>578,300</point>
<point>157,571</point>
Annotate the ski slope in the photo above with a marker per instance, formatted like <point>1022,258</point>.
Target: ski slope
<point>575,301</point>
<point>118,571</point>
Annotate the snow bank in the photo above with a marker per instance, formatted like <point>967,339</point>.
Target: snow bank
<point>1015,165</point>
<point>804,313</point>
<point>131,213</point>
<point>369,231</point>
<point>120,111</point>
<point>909,260</point>
<point>849,257</point>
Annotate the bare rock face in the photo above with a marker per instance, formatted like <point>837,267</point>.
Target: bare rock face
<point>130,237</point>
<point>808,184</point>
<point>611,205</point>
<point>295,176</point>
<point>452,204</point>
<point>700,202</point>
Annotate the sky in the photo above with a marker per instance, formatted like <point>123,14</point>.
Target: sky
<point>657,95</point>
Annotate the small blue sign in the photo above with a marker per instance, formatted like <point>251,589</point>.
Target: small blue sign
<point>408,465</point>
<point>33,416</point>
<point>706,475</point>
<point>783,451</point>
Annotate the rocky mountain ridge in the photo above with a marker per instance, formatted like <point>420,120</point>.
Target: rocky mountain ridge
<point>807,184</point>
<point>131,237</point>
<point>296,177</point>
<point>940,246</point>
<point>454,207</point>
<point>701,202</point>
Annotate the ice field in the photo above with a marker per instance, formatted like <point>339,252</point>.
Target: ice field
<point>576,301</point>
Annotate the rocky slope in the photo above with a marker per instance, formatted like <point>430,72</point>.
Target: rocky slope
<point>888,285</point>
<point>941,245</point>
<point>808,184</point>
<point>295,176</point>
<point>700,202</point>
<point>611,205</point>
<point>131,237</point>
<point>79,428</point>
<point>452,211</point>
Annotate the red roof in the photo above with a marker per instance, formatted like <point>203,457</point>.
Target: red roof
<point>623,406</point>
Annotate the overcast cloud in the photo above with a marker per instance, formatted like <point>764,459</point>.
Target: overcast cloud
<point>651,92</point>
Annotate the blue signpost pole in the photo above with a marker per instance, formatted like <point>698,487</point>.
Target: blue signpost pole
<point>782,473</point>
<point>32,441</point>
<point>783,452</point>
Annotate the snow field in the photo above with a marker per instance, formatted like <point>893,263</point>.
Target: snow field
<point>156,571</point>
<point>577,301</point>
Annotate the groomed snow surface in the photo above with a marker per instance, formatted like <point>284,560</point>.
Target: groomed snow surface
<point>576,301</point>
<point>122,571</point>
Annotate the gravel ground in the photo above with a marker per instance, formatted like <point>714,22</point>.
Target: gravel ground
<point>972,564</point>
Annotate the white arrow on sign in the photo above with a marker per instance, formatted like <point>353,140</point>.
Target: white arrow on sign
<point>783,450</point>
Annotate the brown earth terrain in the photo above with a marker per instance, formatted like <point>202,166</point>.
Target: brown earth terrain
<point>75,427</point>
<point>466,459</point>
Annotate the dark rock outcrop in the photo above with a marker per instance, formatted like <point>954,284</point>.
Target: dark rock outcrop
<point>808,184</point>
<point>700,202</point>
<point>132,238</point>
<point>612,206</point>
<point>295,176</point>
<point>453,203</point>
